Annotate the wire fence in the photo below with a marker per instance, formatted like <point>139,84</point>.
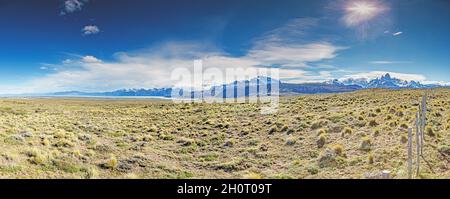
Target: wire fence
<point>420,124</point>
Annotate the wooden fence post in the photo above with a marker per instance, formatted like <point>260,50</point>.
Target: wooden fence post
<point>418,149</point>
<point>409,153</point>
<point>423,122</point>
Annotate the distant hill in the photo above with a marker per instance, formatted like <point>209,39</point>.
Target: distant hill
<point>314,88</point>
<point>162,92</point>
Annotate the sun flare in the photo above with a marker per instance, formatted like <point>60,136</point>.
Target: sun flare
<point>362,8</point>
<point>360,11</point>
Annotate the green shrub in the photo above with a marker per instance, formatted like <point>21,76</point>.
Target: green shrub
<point>322,131</point>
<point>284,128</point>
<point>291,141</point>
<point>373,123</point>
<point>361,123</point>
<point>319,124</point>
<point>229,143</point>
<point>209,157</point>
<point>253,175</point>
<point>338,149</point>
<point>36,157</point>
<point>376,133</point>
<point>321,140</point>
<point>273,129</point>
<point>404,126</point>
<point>14,140</point>
<point>347,130</point>
<point>91,173</point>
<point>66,166</point>
<point>313,170</point>
<point>166,136</point>
<point>330,159</point>
<point>290,131</point>
<point>370,158</point>
<point>111,163</point>
<point>153,129</point>
<point>45,142</point>
<point>430,132</point>
<point>64,143</point>
<point>366,144</point>
<point>372,115</point>
<point>403,139</point>
<point>393,124</point>
<point>186,141</point>
<point>445,149</point>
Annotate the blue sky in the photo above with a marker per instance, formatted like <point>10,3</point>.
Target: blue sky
<point>99,45</point>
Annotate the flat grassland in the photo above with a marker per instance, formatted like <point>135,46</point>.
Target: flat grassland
<point>313,136</point>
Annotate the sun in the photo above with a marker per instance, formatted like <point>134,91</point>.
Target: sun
<point>362,8</point>
<point>361,11</point>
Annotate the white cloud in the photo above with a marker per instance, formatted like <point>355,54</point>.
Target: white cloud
<point>152,67</point>
<point>71,6</point>
<point>325,74</point>
<point>67,61</point>
<point>376,74</point>
<point>90,59</point>
<point>90,30</point>
<point>287,47</point>
<point>294,55</point>
<point>442,83</point>
<point>309,77</point>
<point>389,62</point>
<point>393,33</point>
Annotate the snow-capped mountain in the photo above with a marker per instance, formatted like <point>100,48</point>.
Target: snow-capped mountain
<point>249,87</point>
<point>385,81</point>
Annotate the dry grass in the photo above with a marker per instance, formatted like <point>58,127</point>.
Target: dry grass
<point>313,136</point>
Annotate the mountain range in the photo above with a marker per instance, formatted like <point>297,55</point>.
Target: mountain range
<point>385,81</point>
<point>251,88</point>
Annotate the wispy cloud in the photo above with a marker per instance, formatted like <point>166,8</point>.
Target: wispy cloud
<point>67,61</point>
<point>381,62</point>
<point>388,32</point>
<point>90,30</point>
<point>294,45</point>
<point>309,77</point>
<point>293,31</point>
<point>71,6</point>
<point>293,55</point>
<point>397,33</point>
